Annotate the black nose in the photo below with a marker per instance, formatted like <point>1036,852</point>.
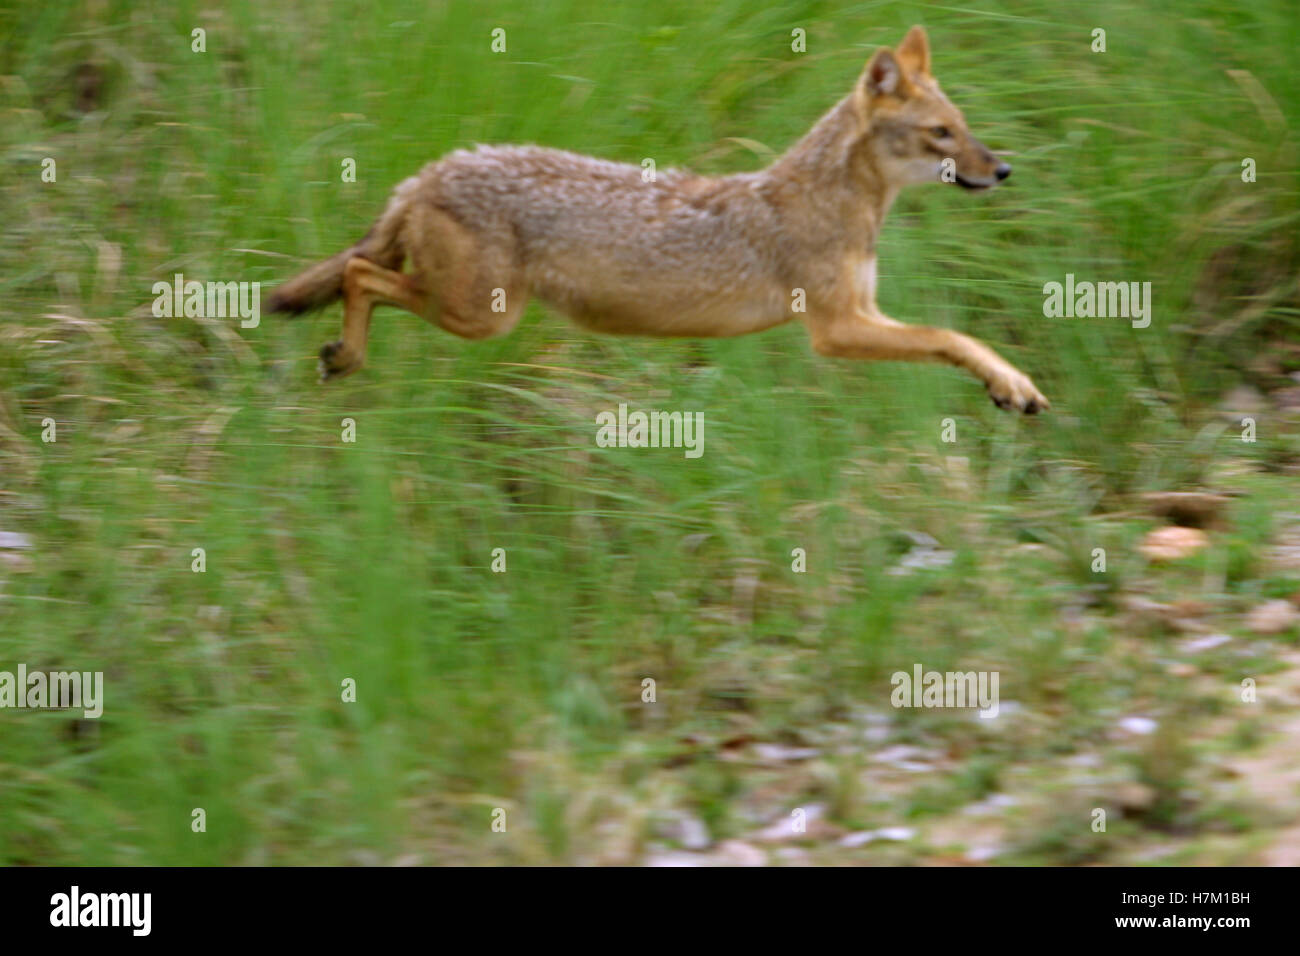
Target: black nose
<point>1002,172</point>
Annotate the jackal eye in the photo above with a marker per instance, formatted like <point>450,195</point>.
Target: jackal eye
<point>940,132</point>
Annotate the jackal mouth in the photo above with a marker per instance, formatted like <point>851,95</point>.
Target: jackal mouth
<point>972,185</point>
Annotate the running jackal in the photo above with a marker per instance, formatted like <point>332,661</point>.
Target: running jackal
<point>676,254</point>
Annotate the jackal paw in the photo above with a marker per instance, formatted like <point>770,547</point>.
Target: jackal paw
<point>336,362</point>
<point>1012,389</point>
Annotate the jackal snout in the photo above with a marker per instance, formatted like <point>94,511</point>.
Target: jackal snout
<point>977,168</point>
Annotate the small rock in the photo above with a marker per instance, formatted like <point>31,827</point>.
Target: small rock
<point>1138,725</point>
<point>695,835</point>
<point>685,829</point>
<point>906,757</point>
<point>898,834</point>
<point>13,540</point>
<point>1172,543</point>
<point>1196,645</point>
<point>858,839</point>
<point>925,554</point>
<point>777,753</point>
<point>920,559</point>
<point>784,827</point>
<point>1272,617</point>
<point>990,805</point>
<point>863,837</point>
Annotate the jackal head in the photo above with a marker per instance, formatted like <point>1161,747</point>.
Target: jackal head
<point>913,133</point>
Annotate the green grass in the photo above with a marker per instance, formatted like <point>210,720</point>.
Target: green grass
<point>371,560</point>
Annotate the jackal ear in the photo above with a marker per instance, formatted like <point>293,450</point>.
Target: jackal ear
<point>883,75</point>
<point>914,51</point>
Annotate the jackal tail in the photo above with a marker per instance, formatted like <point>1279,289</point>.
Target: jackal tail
<point>321,284</point>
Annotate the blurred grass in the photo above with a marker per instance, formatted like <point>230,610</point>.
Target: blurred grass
<point>371,560</point>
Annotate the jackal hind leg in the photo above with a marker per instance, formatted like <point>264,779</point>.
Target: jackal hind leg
<point>366,285</point>
<point>474,273</point>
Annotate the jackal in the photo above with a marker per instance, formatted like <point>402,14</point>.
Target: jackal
<point>676,254</point>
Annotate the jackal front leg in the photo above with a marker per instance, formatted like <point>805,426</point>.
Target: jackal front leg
<point>878,337</point>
